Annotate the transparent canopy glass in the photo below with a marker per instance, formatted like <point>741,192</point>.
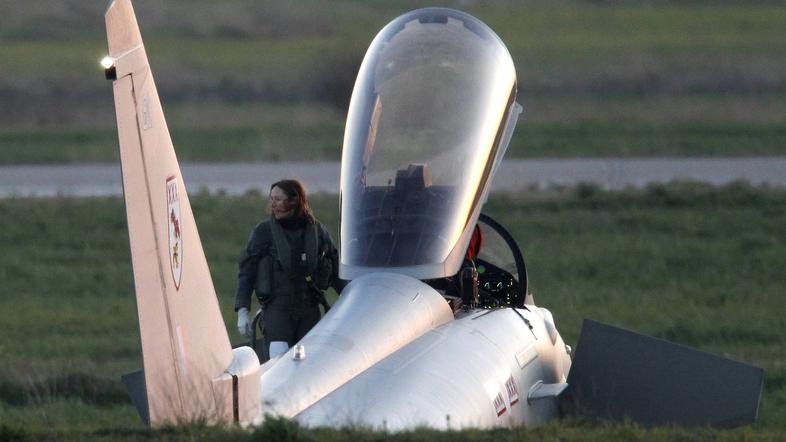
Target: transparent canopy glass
<point>425,124</point>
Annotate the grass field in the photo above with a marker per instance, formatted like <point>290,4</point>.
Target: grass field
<point>698,266</point>
<point>271,80</point>
<point>322,141</point>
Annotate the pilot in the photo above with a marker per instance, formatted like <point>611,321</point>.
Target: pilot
<point>288,262</point>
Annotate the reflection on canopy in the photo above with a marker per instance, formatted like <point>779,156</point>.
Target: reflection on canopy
<point>425,125</point>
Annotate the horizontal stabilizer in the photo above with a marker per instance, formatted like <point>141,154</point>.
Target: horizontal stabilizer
<point>135,384</point>
<point>618,375</point>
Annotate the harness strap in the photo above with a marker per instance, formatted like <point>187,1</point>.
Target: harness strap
<point>310,244</point>
<point>281,244</point>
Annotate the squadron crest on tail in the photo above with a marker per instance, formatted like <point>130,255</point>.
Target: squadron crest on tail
<point>175,239</point>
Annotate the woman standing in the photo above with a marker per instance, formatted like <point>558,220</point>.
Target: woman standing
<point>290,258</point>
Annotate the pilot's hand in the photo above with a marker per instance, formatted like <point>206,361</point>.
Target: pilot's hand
<point>243,325</point>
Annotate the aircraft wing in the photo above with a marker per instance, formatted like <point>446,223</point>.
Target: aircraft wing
<point>618,374</point>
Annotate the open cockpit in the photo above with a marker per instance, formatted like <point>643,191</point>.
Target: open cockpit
<point>492,275</point>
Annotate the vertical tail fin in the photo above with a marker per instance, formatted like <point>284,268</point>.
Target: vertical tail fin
<point>189,364</point>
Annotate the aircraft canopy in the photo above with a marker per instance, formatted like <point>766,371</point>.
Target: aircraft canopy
<point>426,126</point>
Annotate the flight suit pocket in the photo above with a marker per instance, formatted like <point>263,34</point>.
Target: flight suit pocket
<point>264,283</point>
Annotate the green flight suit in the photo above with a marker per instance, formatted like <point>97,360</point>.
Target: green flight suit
<point>286,263</point>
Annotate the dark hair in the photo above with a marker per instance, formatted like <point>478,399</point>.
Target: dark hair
<point>295,189</point>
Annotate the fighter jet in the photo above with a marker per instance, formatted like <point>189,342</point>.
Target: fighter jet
<point>436,326</point>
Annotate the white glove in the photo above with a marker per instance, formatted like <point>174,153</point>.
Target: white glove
<point>243,326</point>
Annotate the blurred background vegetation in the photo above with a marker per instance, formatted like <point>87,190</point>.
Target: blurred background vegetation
<point>247,80</point>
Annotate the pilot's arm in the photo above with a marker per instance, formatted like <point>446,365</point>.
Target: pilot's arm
<point>246,278</point>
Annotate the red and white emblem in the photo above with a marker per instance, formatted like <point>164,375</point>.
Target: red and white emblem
<point>513,391</point>
<point>175,236</point>
<point>499,405</point>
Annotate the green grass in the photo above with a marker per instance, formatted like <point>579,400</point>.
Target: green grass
<point>321,140</point>
<point>685,262</point>
<point>628,79</point>
<point>578,27</point>
<point>281,430</point>
<point>637,139</point>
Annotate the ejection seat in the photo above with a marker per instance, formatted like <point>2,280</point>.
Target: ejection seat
<point>399,218</point>
<point>493,273</point>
